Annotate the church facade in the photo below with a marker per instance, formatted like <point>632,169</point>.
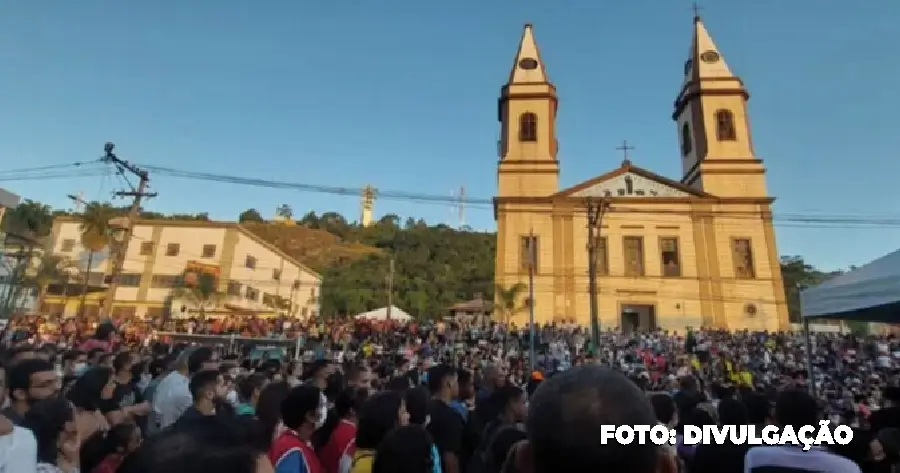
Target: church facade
<point>698,251</point>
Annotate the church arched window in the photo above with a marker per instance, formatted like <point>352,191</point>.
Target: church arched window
<point>527,127</point>
<point>686,139</point>
<point>725,125</point>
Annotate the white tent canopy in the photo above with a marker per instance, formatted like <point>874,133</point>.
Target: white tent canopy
<point>382,314</point>
<point>870,293</point>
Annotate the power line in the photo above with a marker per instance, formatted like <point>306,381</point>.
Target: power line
<point>790,220</point>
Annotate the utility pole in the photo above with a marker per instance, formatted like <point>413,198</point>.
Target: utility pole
<point>117,257</point>
<point>595,211</point>
<point>532,262</point>
<point>390,289</point>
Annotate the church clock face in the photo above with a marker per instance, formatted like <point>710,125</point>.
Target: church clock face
<point>528,64</point>
<point>709,57</point>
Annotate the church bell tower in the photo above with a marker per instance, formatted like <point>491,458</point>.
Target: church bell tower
<point>527,114</point>
<point>713,124</point>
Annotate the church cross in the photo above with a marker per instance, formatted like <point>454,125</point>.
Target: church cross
<point>625,148</point>
<point>696,7</point>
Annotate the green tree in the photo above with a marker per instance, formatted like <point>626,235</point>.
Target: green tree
<point>31,217</point>
<point>200,291</point>
<point>250,216</point>
<point>49,270</point>
<point>508,300</point>
<point>797,276</point>
<point>95,232</point>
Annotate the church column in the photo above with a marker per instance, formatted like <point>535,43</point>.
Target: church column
<point>781,308</point>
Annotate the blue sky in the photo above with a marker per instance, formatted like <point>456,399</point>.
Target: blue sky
<point>402,95</point>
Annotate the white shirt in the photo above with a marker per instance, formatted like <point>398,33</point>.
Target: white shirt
<point>172,398</point>
<point>18,452</point>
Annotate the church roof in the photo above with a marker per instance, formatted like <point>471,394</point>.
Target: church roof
<point>704,60</point>
<point>528,68</point>
<point>629,180</point>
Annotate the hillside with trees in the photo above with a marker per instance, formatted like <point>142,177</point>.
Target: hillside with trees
<point>435,266</point>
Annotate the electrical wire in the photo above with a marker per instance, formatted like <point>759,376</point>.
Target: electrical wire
<point>788,220</point>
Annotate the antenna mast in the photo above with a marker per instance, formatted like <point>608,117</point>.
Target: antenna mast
<point>462,206</point>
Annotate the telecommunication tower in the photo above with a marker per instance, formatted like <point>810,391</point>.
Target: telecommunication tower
<point>367,203</point>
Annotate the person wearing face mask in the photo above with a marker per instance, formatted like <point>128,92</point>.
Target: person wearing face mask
<point>207,390</point>
<point>29,381</point>
<point>302,413</point>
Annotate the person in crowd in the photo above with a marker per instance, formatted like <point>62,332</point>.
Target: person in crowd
<point>417,400</point>
<point>173,395</point>
<point>302,413</point>
<point>465,400</point>
<point>405,449</point>
<point>884,452</point>
<point>268,411</point>
<point>359,376</point>
<point>52,421</point>
<point>102,339</point>
<point>796,408</point>
<point>727,457</point>
<point>339,430</point>
<point>29,381</point>
<point>18,448</point>
<point>564,422</point>
<point>19,353</point>
<point>446,426</point>
<point>104,452</point>
<point>214,444</point>
<point>506,407</point>
<point>159,368</point>
<point>495,458</point>
<point>889,415</point>
<point>379,414</point>
<point>248,390</point>
<point>92,396</point>
<point>126,396</point>
<point>206,388</point>
<point>317,374</point>
<point>74,364</point>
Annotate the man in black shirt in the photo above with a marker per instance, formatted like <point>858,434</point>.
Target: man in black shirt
<point>446,426</point>
<point>207,387</point>
<point>126,396</point>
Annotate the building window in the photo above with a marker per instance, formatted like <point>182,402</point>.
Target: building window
<point>250,262</point>
<point>304,312</point>
<point>629,185</point>
<point>172,249</point>
<point>251,294</point>
<point>154,313</point>
<point>742,253</point>
<point>601,256</point>
<point>129,279</point>
<point>634,256</point>
<point>234,288</point>
<point>164,281</point>
<point>528,253</point>
<point>725,125</point>
<point>209,251</point>
<point>621,192</point>
<point>639,192</point>
<point>669,257</point>
<point>527,127</point>
<point>146,248</point>
<point>276,274</point>
<point>67,245</point>
<point>686,145</point>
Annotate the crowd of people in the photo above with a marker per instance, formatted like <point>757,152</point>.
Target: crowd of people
<point>438,398</point>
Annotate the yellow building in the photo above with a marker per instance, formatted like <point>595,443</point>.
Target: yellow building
<point>254,276</point>
<point>698,251</point>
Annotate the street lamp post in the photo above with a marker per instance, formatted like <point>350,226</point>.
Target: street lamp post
<point>595,211</point>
